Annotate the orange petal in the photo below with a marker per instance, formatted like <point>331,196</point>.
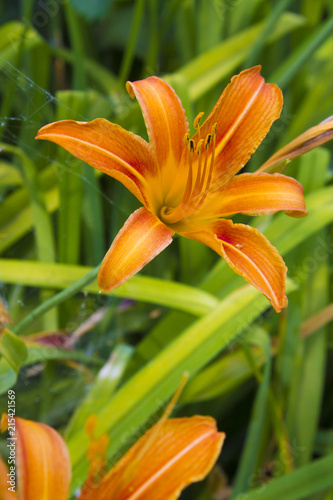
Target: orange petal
<point>311,139</point>
<point>109,148</point>
<point>7,482</point>
<point>165,121</point>
<point>257,194</point>
<point>249,254</point>
<point>244,114</point>
<point>142,237</point>
<point>43,465</point>
<point>184,451</point>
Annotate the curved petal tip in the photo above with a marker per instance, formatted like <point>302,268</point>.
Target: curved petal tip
<point>142,237</point>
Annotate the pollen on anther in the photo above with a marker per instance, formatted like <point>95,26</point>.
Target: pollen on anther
<point>186,139</point>
<point>197,119</point>
<point>208,141</point>
<point>199,146</point>
<point>214,128</point>
<point>191,145</point>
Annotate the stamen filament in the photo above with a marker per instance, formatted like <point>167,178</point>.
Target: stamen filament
<point>203,175</point>
<point>196,190</point>
<point>210,172</point>
<point>188,189</point>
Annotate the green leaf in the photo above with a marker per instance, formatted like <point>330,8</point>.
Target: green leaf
<point>156,291</point>
<point>12,34</point>
<point>36,354</point>
<point>287,232</point>
<point>250,453</point>
<point>9,175</point>
<point>147,391</point>
<point>303,418</point>
<point>307,480</point>
<point>13,349</point>
<point>269,25</point>
<point>102,389</point>
<point>298,58</point>
<point>222,376</point>
<point>208,69</point>
<point>8,376</point>
<point>91,10</point>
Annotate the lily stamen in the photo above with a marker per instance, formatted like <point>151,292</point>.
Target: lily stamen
<point>211,167</point>
<point>196,122</point>
<point>194,194</point>
<point>198,152</point>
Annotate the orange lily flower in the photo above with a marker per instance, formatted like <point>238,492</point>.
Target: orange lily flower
<point>170,456</point>
<point>189,185</point>
<point>42,462</point>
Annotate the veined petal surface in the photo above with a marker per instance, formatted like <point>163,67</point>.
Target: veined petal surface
<point>257,194</point>
<point>142,237</point>
<point>43,464</point>
<point>249,254</point>
<point>159,467</point>
<point>244,114</point>
<point>165,121</point>
<point>109,148</point>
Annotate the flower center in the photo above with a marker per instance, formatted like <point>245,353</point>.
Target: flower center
<point>201,155</point>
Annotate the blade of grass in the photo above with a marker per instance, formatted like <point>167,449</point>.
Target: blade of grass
<point>210,25</point>
<point>22,223</point>
<point>93,217</point>
<point>75,278</point>
<point>146,391</point>
<point>16,38</point>
<point>77,42</point>
<point>96,72</point>
<point>45,245</point>
<point>13,349</point>
<point>186,36</point>
<point>19,199</point>
<point>315,286</point>
<point>70,187</point>
<point>249,458</point>
<point>37,354</point>
<point>151,61</point>
<point>299,57</point>
<point>222,376</point>
<point>307,480</point>
<point>129,50</point>
<point>208,69</point>
<point>102,389</point>
<point>91,202</point>
<point>269,25</point>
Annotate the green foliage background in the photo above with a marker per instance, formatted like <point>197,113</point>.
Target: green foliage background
<point>266,378</point>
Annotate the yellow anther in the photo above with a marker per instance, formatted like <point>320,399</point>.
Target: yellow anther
<point>191,146</point>
<point>208,141</point>
<point>214,128</point>
<point>199,146</point>
<point>197,120</point>
<point>187,139</point>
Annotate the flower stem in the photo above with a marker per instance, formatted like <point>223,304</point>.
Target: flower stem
<point>55,300</point>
